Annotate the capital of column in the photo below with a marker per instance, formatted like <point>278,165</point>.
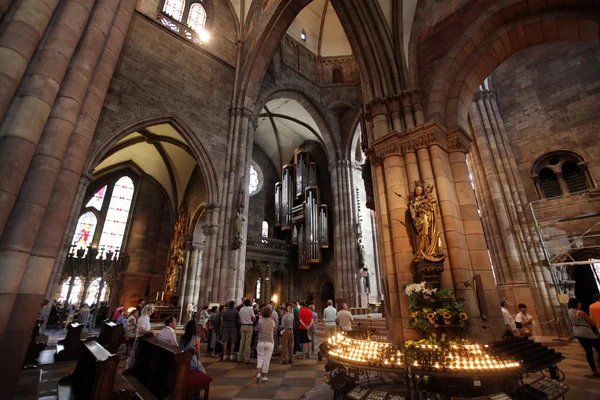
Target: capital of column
<point>395,103</point>
<point>377,106</point>
<point>458,140</point>
<point>86,179</point>
<point>395,143</point>
<point>209,230</point>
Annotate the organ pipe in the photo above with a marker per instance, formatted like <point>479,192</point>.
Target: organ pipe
<point>298,209</point>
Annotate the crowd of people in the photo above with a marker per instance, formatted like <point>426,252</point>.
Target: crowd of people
<point>240,332</point>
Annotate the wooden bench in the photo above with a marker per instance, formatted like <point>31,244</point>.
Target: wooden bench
<point>95,376</point>
<point>110,335</point>
<point>162,371</point>
<point>69,348</point>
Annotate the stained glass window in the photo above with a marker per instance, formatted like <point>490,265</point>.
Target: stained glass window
<point>116,217</point>
<point>92,292</point>
<point>265,229</point>
<point>174,8</point>
<point>197,17</point>
<point>84,233</point>
<point>253,180</point>
<point>98,199</point>
<point>77,285</point>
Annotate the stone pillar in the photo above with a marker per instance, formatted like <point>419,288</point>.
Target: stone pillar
<point>502,199</point>
<point>207,274</point>
<point>36,267</point>
<point>197,260</point>
<point>183,280</point>
<point>564,188</point>
<point>4,5</point>
<point>18,43</point>
<point>25,120</point>
<point>267,282</point>
<point>440,156</point>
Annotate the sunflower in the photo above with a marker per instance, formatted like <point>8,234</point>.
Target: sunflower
<point>463,316</point>
<point>415,314</point>
<point>430,316</point>
<point>447,315</point>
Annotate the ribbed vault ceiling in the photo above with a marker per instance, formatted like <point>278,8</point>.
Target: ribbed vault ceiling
<point>161,153</point>
<point>284,125</point>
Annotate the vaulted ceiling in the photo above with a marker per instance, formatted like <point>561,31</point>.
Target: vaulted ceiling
<point>161,153</point>
<point>283,126</point>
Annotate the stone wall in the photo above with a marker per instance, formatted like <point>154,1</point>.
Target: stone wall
<point>161,74</point>
<point>549,99</point>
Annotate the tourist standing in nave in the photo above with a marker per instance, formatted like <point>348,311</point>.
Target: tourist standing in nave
<point>264,346</point>
<point>246,320</point>
<point>345,318</point>
<point>275,317</point>
<point>313,329</point>
<point>70,314</point>
<point>167,335</point>
<point>330,316</point>
<point>286,331</point>
<point>585,331</point>
<point>143,328</point>
<point>190,340</point>
<point>305,320</point>
<point>202,318</point>
<point>229,328</point>
<point>217,325</point>
<point>84,315</point>
<point>296,310</point>
<point>509,323</point>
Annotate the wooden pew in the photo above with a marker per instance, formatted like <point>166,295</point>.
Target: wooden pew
<point>162,371</point>
<point>110,336</point>
<point>94,376</point>
<point>69,348</point>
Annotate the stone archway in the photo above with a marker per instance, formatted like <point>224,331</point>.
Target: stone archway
<point>251,279</point>
<point>479,52</point>
<point>326,292</point>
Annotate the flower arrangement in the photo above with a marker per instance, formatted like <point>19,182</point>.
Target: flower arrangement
<point>431,309</point>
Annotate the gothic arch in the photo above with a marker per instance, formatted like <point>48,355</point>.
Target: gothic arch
<point>491,40</point>
<point>328,138</point>
<point>198,150</point>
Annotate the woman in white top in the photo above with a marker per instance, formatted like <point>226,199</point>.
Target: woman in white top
<point>525,320</point>
<point>582,330</point>
<point>143,327</point>
<point>264,345</point>
<point>131,328</point>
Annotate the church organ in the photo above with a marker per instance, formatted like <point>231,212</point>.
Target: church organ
<point>298,209</point>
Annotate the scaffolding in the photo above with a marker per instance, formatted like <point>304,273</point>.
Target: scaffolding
<point>569,231</point>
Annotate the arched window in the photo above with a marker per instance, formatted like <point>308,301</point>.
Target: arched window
<point>549,183</point>
<point>84,233</point>
<point>174,8</point>
<point>254,181</point>
<point>117,215</point>
<point>257,289</point>
<point>338,76</point>
<point>197,17</point>
<point>265,229</point>
<point>74,296</point>
<point>561,173</point>
<point>574,177</point>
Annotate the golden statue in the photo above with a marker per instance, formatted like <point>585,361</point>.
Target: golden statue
<point>424,212</point>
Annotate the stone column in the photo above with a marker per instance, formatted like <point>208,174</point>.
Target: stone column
<point>440,157</point>
<point>18,43</point>
<point>25,120</point>
<point>39,264</point>
<point>4,5</point>
<point>183,280</point>
<point>197,259</point>
<point>267,282</point>
<point>562,183</point>
<point>210,229</point>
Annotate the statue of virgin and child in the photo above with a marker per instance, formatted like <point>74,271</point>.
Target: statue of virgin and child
<point>424,211</point>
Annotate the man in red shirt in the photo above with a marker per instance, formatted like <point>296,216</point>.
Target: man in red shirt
<point>305,321</point>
